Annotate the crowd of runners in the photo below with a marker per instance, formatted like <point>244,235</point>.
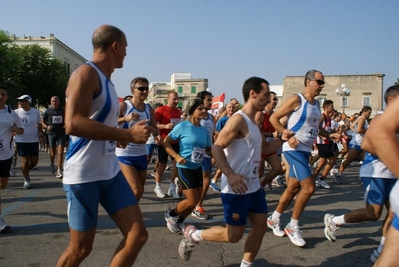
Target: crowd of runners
<point>305,143</point>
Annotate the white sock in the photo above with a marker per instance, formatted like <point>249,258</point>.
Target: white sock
<point>157,185</point>
<point>245,264</point>
<point>294,223</point>
<point>197,235</point>
<point>276,216</point>
<point>379,249</point>
<point>339,220</point>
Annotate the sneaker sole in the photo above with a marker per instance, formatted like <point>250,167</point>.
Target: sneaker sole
<point>199,217</point>
<point>276,234</point>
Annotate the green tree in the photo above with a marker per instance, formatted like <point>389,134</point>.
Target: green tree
<point>30,70</point>
<point>397,82</point>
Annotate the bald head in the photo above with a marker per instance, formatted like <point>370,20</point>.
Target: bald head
<point>105,35</point>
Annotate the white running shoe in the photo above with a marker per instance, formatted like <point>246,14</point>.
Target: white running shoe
<point>275,226</point>
<point>159,192</point>
<point>188,243</point>
<point>27,185</point>
<point>3,224</point>
<point>171,222</point>
<point>322,184</point>
<point>12,172</point>
<point>295,235</point>
<point>330,229</point>
<point>59,174</point>
<point>172,192</point>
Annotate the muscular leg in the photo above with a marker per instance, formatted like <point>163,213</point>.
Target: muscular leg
<point>255,236</point>
<point>80,246</point>
<point>136,179</point>
<point>351,156</point>
<point>186,206</point>
<point>60,157</point>
<point>307,190</point>
<point>288,195</point>
<point>130,222</point>
<point>389,256</point>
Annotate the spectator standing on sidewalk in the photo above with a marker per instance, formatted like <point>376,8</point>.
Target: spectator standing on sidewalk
<point>28,142</point>
<point>54,123</point>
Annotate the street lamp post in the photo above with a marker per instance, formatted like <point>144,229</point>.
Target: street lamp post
<point>344,93</point>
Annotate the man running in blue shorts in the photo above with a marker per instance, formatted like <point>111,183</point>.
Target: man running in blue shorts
<point>92,174</point>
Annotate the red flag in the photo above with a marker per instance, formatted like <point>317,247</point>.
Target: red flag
<point>218,101</point>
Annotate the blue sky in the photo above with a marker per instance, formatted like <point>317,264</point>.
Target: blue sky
<point>224,41</point>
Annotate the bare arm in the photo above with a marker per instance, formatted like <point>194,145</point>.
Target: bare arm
<point>82,86</point>
<point>286,109</point>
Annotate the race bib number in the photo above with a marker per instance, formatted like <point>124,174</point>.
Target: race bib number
<point>56,119</point>
<point>197,155</point>
<point>110,147</point>
<point>1,145</point>
<point>175,121</point>
<point>254,168</point>
<point>312,132</point>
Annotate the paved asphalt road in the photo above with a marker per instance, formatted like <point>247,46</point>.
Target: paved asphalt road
<point>39,232</point>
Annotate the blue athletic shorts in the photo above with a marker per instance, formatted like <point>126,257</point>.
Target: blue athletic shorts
<point>138,162</point>
<point>150,148</point>
<point>358,148</point>
<point>299,164</point>
<point>377,190</point>
<point>395,222</point>
<point>207,164</point>
<point>190,178</point>
<point>236,207</point>
<point>114,195</point>
<point>28,149</point>
<point>56,139</point>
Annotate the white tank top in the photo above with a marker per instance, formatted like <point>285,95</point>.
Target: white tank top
<point>305,123</point>
<point>210,126</point>
<point>89,160</point>
<point>133,149</point>
<point>357,138</point>
<point>243,156</point>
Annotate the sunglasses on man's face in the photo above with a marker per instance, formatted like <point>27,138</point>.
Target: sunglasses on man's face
<point>143,88</point>
<point>319,82</point>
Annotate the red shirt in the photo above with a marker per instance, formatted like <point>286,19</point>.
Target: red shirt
<point>266,125</point>
<point>165,115</point>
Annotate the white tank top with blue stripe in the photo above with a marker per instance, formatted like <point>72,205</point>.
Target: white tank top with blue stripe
<point>90,160</point>
<point>133,149</point>
<point>304,121</point>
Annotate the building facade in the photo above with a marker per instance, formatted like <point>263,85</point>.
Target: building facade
<point>182,83</point>
<point>365,90</point>
<point>58,50</point>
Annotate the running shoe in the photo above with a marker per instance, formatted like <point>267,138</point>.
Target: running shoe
<point>199,213</point>
<point>173,193</point>
<point>167,168</point>
<point>188,243</point>
<point>337,178</point>
<point>374,256</point>
<point>159,192</point>
<point>52,168</point>
<point>214,186</point>
<point>275,226</point>
<point>330,229</point>
<point>295,235</point>
<point>278,181</point>
<point>59,174</point>
<point>153,173</point>
<point>12,172</point>
<point>171,222</point>
<point>322,184</point>
<point>27,185</point>
<point>3,224</point>
<point>179,188</point>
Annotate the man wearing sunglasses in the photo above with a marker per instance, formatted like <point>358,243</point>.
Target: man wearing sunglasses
<point>28,142</point>
<point>304,115</point>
